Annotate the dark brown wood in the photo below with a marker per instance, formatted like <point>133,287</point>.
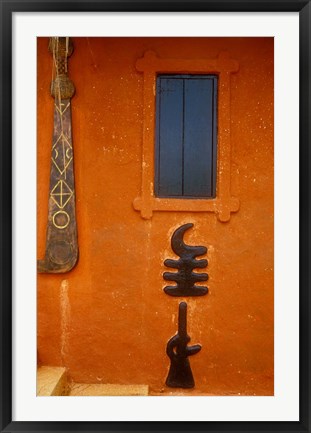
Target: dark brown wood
<point>185,278</point>
<point>61,253</point>
<point>177,349</point>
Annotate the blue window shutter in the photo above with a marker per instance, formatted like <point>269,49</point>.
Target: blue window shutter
<point>186,136</point>
<point>170,137</point>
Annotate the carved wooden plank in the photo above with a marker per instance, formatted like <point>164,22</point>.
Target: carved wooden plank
<point>61,251</point>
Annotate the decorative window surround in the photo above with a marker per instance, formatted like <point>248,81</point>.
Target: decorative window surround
<point>224,203</point>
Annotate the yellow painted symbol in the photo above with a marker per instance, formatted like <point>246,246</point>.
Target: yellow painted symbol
<point>61,219</point>
<point>61,194</point>
<point>59,108</point>
<point>64,139</point>
<point>68,154</point>
<point>63,156</point>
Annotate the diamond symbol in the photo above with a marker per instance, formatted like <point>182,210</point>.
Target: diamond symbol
<point>62,153</point>
<point>61,194</point>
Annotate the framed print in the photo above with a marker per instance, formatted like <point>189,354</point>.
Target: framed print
<point>155,216</point>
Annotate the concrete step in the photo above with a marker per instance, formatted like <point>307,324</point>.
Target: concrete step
<point>107,389</point>
<point>52,381</point>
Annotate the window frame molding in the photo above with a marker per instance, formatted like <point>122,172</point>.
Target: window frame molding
<point>223,204</point>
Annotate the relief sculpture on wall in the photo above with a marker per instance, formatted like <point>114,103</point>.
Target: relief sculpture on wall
<point>180,374</point>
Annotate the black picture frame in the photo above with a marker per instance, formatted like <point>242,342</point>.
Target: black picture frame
<point>7,9</point>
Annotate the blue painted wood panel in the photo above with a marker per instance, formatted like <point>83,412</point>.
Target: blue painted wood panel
<point>169,137</point>
<point>186,126</point>
<point>198,138</point>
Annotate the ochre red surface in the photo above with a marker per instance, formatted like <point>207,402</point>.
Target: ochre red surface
<point>108,320</point>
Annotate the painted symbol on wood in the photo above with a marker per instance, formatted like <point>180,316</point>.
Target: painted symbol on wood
<point>62,151</point>
<point>61,240</point>
<point>61,194</point>
<point>180,374</point>
<point>185,277</point>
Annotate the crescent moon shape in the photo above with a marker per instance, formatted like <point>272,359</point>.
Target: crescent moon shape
<point>68,154</point>
<point>180,248</point>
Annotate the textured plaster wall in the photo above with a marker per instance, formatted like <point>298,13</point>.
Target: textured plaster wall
<point>108,320</point>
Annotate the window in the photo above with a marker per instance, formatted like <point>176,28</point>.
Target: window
<point>186,126</point>
<point>161,189</point>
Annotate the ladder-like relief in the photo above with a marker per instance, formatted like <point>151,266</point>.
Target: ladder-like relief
<point>185,278</point>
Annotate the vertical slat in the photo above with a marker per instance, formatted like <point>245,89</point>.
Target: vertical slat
<point>169,137</point>
<point>215,126</point>
<point>198,138</point>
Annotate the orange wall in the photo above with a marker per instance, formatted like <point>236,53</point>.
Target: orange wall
<point>108,320</point>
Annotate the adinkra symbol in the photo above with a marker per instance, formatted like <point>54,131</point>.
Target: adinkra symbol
<point>62,153</point>
<point>180,374</point>
<point>185,277</point>
<point>61,194</point>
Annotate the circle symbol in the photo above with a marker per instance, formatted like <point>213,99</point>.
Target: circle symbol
<point>61,219</point>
